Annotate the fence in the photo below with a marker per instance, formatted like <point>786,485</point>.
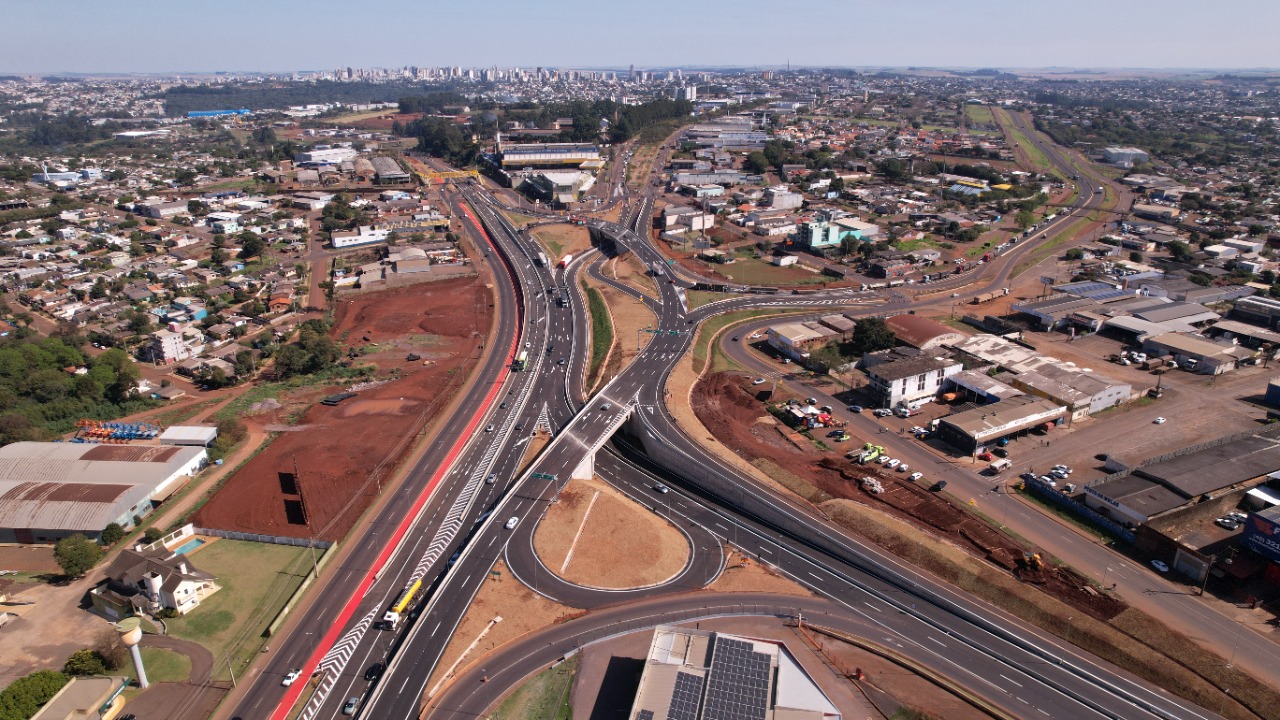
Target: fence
<point>1056,498</point>
<point>256,537</point>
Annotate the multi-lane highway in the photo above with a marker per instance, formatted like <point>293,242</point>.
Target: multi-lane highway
<point>465,525</point>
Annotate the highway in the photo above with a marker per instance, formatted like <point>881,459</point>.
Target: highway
<point>468,516</point>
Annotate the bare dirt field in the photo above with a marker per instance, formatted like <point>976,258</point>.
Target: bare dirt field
<point>383,121</point>
<point>619,544</point>
<point>345,452</point>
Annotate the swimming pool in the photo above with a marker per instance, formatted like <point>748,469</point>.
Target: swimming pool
<point>189,545</point>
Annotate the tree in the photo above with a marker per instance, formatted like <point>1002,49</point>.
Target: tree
<point>1075,254</point>
<point>871,334</point>
<point>1025,219</point>
<point>1135,256</point>
<point>76,554</point>
<point>112,533</point>
<point>251,245</point>
<point>23,698</point>
<point>756,163</point>
<point>1180,251</point>
<point>85,662</point>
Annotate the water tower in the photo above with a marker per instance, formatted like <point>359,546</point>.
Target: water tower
<point>130,630</point>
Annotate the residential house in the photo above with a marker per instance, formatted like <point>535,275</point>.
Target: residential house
<point>150,580</point>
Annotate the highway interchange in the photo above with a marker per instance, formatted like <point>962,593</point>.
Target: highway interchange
<point>446,525</point>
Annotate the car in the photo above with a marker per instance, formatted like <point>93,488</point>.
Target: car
<point>835,433</point>
<point>528,344</point>
<point>1159,565</point>
<point>1238,515</point>
<point>662,488</point>
<point>916,430</point>
<point>915,476</point>
<point>938,486</point>
<point>290,676</point>
<point>1228,522</point>
<point>560,361</point>
<point>606,407</point>
<point>893,463</point>
<point>489,480</point>
<point>489,428</point>
<point>511,522</point>
<point>1063,468</point>
<point>1028,476</point>
<point>855,408</point>
<point>903,467</point>
<point>502,406</point>
<point>1160,421</point>
<point>1000,452</point>
<point>349,708</point>
<point>786,361</point>
<point>734,338</point>
<point>883,412</point>
<point>884,459</point>
<point>375,671</point>
<point>758,381</point>
<point>754,336</point>
<point>1048,481</point>
<point>986,456</point>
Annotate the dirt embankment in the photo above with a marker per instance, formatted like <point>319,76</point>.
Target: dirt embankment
<point>726,401</point>
<point>318,479</point>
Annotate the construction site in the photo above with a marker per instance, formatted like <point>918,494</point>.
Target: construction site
<point>327,462</point>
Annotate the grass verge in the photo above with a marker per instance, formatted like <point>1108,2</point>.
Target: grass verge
<point>544,696</point>
<point>601,332</point>
<point>712,327</point>
<point>162,666</point>
<point>1039,161</point>
<point>182,414</point>
<point>257,579</point>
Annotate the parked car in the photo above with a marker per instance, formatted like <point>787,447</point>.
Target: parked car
<point>758,381</point>
<point>893,463</point>
<point>1159,565</point>
<point>903,468</point>
<point>938,486</point>
<point>915,476</point>
<point>1159,421</point>
<point>855,408</point>
<point>1228,522</point>
<point>1048,481</point>
<point>884,459</point>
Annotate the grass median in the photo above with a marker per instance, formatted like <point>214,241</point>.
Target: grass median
<point>601,331</point>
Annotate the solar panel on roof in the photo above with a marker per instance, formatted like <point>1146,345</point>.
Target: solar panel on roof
<point>684,697</point>
<point>644,715</point>
<point>738,684</point>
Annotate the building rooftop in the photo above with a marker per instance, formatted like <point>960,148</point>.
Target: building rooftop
<point>909,367</point>
<point>1219,466</point>
<point>1143,496</point>
<point>1004,417</point>
<point>82,486</point>
<point>921,331</point>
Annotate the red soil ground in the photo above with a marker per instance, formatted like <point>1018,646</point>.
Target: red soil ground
<point>726,401</point>
<point>344,453</point>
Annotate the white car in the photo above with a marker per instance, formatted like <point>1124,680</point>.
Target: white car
<point>884,459</point>
<point>893,463</point>
<point>511,522</point>
<point>904,467</point>
<point>1159,421</point>
<point>758,381</point>
<point>290,677</point>
<point>754,336</point>
<point>916,476</point>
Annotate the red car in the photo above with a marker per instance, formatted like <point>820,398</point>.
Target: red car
<point>985,456</point>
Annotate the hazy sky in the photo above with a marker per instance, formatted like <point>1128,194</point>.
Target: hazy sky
<point>46,36</point>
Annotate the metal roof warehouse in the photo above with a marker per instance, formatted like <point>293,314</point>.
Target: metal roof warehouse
<point>51,490</point>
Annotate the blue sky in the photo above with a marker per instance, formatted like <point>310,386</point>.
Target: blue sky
<point>42,36</point>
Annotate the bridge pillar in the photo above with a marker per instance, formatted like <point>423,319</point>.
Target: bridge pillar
<point>586,469</point>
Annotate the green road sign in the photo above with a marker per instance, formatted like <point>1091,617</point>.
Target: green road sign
<point>542,476</point>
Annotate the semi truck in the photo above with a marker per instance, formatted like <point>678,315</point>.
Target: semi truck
<point>564,261</point>
<point>393,615</point>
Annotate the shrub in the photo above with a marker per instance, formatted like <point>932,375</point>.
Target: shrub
<point>85,662</point>
<point>112,533</point>
<point>77,554</point>
<point>24,696</point>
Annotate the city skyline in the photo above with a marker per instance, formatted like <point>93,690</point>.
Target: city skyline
<point>292,36</point>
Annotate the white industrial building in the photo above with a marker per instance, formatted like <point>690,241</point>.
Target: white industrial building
<point>908,381</point>
<point>1125,156</point>
<point>325,156</point>
<point>49,490</point>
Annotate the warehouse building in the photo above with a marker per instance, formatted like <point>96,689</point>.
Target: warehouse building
<point>549,155</point>
<point>922,332</point>
<point>795,339</point>
<point>51,490</point>
<point>979,386</point>
<point>386,170</point>
<point>972,431</point>
<point>189,435</point>
<point>700,675</point>
<point>1195,353</point>
<point>1124,156</point>
<point>1259,310</point>
<point>1083,393</point>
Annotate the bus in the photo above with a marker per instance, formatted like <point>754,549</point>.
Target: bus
<point>392,617</point>
<point>522,361</point>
